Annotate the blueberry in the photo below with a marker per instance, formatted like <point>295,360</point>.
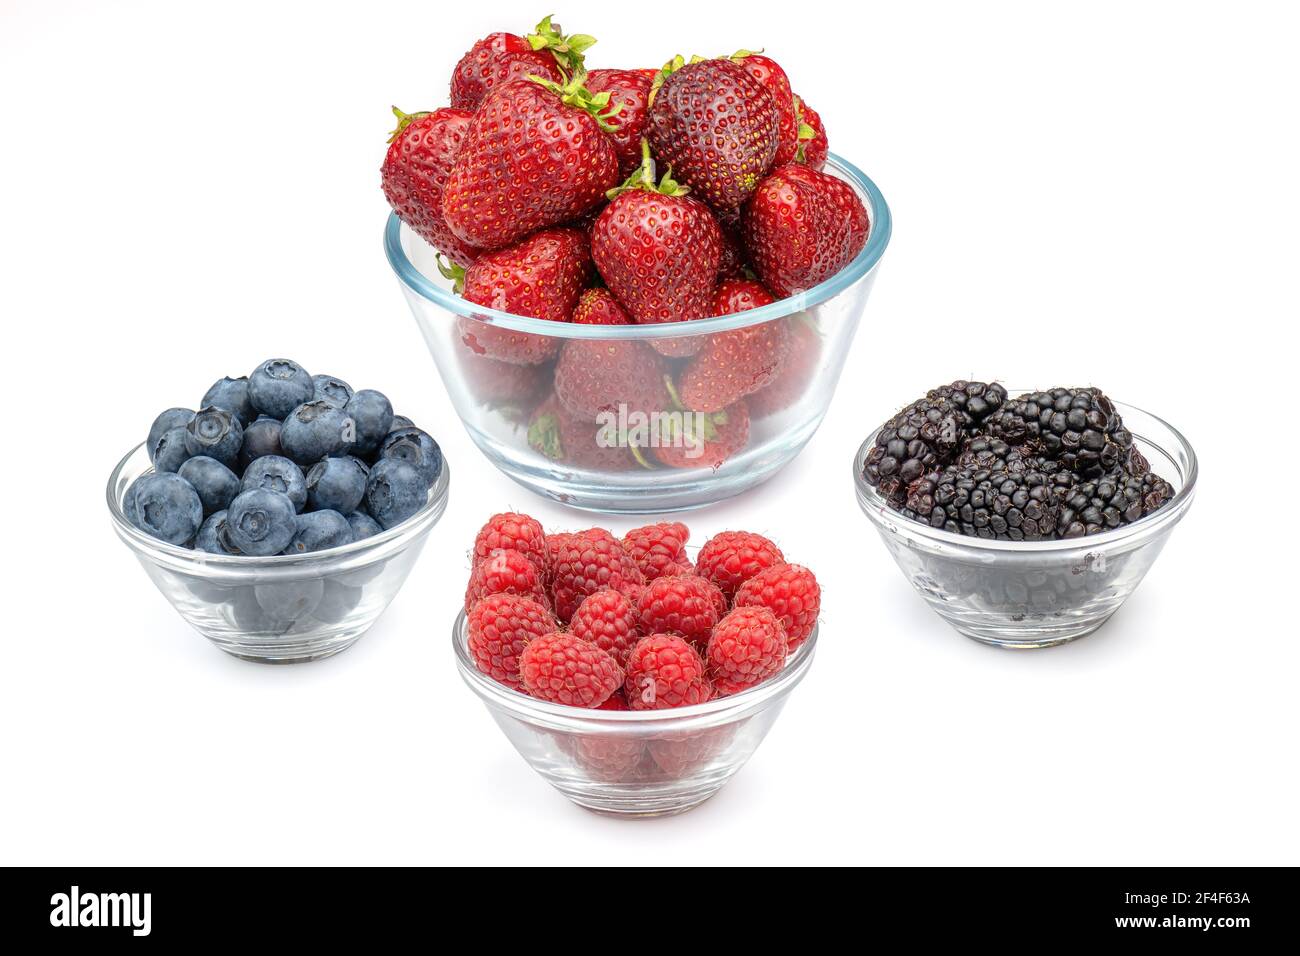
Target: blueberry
<point>128,499</point>
<point>327,388</point>
<point>232,395</point>
<point>372,414</point>
<point>363,526</point>
<point>400,421</point>
<point>278,386</point>
<point>337,602</point>
<point>319,531</point>
<point>416,448</point>
<point>216,484</point>
<point>336,484</point>
<point>168,508</point>
<point>395,490</point>
<point>287,601</point>
<point>214,536</point>
<point>169,452</point>
<point>261,522</point>
<point>316,430</point>
<point>216,433</point>
<point>172,418</point>
<point>247,615</point>
<point>276,473</point>
<point>261,438</point>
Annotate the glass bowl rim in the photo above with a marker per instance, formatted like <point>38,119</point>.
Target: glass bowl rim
<point>525,707</point>
<point>417,524</point>
<point>877,510</point>
<point>878,238</point>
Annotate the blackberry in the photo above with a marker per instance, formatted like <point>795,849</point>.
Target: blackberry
<point>922,437</point>
<point>983,503</point>
<point>1078,427</point>
<point>976,400</point>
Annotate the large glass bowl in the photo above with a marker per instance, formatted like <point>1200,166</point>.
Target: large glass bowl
<point>286,608</point>
<point>510,413</point>
<point>635,763</point>
<point>1037,593</point>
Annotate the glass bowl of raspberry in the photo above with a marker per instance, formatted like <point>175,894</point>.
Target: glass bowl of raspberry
<point>1100,537</point>
<point>635,762</point>
<point>280,609</point>
<point>606,414</point>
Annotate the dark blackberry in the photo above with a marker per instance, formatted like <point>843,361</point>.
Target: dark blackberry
<point>976,400</point>
<point>1078,427</point>
<point>922,437</point>
<point>979,503</point>
<point>1100,504</point>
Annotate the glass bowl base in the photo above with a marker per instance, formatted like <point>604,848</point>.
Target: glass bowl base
<point>1026,638</point>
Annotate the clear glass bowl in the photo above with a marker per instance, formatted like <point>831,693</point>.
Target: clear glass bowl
<point>638,763</point>
<point>320,603</point>
<point>1037,593</point>
<point>498,403</point>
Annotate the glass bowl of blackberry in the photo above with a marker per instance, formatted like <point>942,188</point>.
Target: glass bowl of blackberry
<point>281,517</point>
<point>603,411</point>
<point>1024,519</point>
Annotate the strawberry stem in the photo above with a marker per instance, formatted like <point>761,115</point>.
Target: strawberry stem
<point>574,93</point>
<point>451,272</point>
<point>567,50</point>
<point>643,177</point>
<point>404,120</point>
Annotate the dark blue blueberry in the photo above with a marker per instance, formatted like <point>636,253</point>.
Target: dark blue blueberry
<point>216,484</point>
<point>336,484</point>
<point>287,601</point>
<point>395,490</point>
<point>319,531</point>
<point>232,395</point>
<point>277,473</point>
<point>278,386</point>
<point>168,508</point>
<point>216,433</point>
<point>172,418</point>
<point>169,452</point>
<point>327,388</point>
<point>415,447</point>
<point>214,536</point>
<point>337,602</point>
<point>363,526</point>
<point>128,499</point>
<point>247,615</point>
<point>372,415</point>
<point>261,522</point>
<point>314,431</point>
<point>261,438</point>
<point>400,421</point>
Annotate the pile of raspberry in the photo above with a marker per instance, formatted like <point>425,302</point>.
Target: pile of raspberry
<point>590,620</point>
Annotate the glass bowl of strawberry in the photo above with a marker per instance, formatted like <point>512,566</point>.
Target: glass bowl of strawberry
<point>635,675</point>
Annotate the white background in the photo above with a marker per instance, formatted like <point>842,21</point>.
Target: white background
<point>1104,196</point>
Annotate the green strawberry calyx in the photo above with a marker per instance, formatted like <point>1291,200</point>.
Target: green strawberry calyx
<point>567,50</point>
<point>404,120</point>
<point>643,177</point>
<point>573,93</point>
<point>806,132</point>
<point>544,436</point>
<point>708,424</point>
<point>667,70</point>
<point>451,272</point>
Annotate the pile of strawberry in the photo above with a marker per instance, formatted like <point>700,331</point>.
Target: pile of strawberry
<point>539,186</point>
<point>589,620</point>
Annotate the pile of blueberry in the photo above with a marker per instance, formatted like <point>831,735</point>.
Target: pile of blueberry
<point>281,462</point>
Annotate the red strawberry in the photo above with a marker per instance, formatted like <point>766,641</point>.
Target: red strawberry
<point>657,249</point>
<point>513,531</point>
<point>609,620</point>
<point>500,626</point>
<point>542,277</point>
<point>564,670</point>
<point>501,57</point>
<point>629,90</point>
<point>616,375</point>
<point>599,307</point>
<point>739,362</point>
<point>590,562</point>
<point>716,126</point>
<point>557,434</point>
<point>802,227</point>
<point>535,156</point>
<point>682,604</point>
<point>768,72</point>
<point>789,591</point>
<point>731,264</point>
<point>663,671</point>
<point>415,171</point>
<point>803,350</point>
<point>731,558</point>
<point>510,389</point>
<point>814,146</point>
<point>658,547</point>
<point>747,647</point>
<point>709,439</point>
<point>505,572</point>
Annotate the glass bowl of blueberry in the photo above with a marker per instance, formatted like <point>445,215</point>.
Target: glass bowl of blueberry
<point>1024,519</point>
<point>283,515</point>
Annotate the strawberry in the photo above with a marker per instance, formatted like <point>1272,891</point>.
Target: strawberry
<point>813,144</point>
<point>414,175</point>
<point>739,362</point>
<point>802,353</point>
<point>769,73</point>
<point>657,249</point>
<point>600,375</point>
<point>535,156</point>
<point>501,57</point>
<point>512,390</point>
<point>731,264</point>
<point>709,439</point>
<point>555,433</point>
<point>716,126</point>
<point>542,277</point>
<point>599,307</point>
<point>629,90</point>
<point>802,227</point>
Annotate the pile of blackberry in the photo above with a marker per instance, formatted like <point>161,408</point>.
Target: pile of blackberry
<point>969,459</point>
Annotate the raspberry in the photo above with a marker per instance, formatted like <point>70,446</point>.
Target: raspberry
<point>608,757</point>
<point>500,626</point>
<point>609,620</point>
<point>564,670</point>
<point>663,671</point>
<point>747,647</point>
<point>684,604</point>
<point>505,571</point>
<point>658,548</point>
<point>731,558</point>
<point>791,593</point>
<point>513,531</point>
<point>684,752</point>
<point>590,562</point>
